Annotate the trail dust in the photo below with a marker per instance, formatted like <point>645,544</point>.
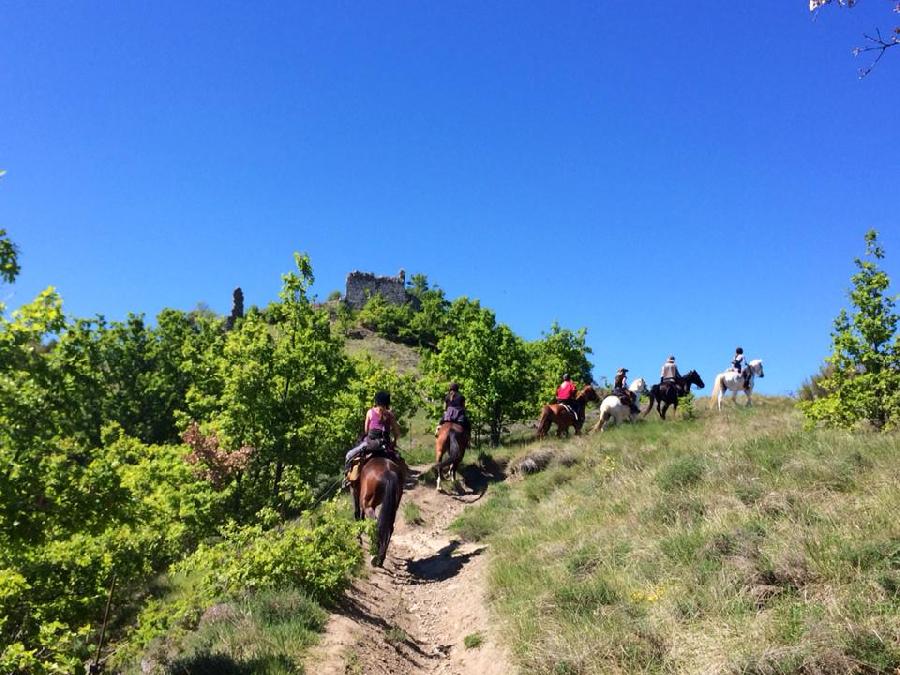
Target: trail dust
<point>414,615</point>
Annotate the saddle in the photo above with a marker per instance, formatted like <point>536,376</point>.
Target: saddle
<point>572,408</point>
<point>371,452</point>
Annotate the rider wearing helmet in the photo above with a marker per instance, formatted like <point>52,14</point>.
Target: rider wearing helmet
<point>739,366</point>
<point>380,432</point>
<point>669,371</point>
<point>565,394</point>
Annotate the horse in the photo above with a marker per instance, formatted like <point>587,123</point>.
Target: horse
<point>557,412</point>
<point>380,483</point>
<point>452,441</point>
<point>667,395</point>
<point>613,410</point>
<point>733,381</point>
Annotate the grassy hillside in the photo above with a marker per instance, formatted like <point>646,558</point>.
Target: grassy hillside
<point>731,543</point>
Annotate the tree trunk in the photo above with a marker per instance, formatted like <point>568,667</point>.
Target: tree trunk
<point>279,471</point>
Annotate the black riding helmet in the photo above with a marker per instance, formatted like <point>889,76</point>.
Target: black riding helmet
<point>566,377</point>
<point>739,350</point>
<point>454,386</point>
<point>383,399</point>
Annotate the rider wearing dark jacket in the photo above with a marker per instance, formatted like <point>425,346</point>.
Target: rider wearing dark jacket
<point>620,389</point>
<point>455,408</point>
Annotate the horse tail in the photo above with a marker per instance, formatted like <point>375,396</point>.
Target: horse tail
<point>651,401</point>
<point>454,454</point>
<point>717,389</point>
<point>389,504</point>
<point>545,421</point>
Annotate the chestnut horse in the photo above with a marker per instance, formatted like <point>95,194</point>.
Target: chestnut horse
<point>557,412</point>
<point>452,441</point>
<point>380,483</point>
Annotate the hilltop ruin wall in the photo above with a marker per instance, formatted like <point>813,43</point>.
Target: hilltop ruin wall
<point>362,285</point>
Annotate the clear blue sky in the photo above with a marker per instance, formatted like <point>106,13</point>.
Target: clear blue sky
<point>675,177</point>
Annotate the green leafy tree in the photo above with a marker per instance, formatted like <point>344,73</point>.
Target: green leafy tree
<point>9,258</point>
<point>390,321</point>
<point>430,322</point>
<point>492,365</point>
<point>557,352</point>
<point>862,383</point>
<point>279,378</point>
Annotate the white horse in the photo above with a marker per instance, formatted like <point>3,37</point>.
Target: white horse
<point>613,410</point>
<point>733,381</point>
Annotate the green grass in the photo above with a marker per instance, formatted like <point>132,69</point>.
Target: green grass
<point>396,636</point>
<point>412,514</point>
<point>473,640</point>
<point>267,632</point>
<point>728,543</point>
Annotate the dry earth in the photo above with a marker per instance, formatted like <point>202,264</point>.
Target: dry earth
<point>413,615</point>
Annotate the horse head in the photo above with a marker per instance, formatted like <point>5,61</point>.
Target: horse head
<point>639,386</point>
<point>588,394</point>
<point>756,367</point>
<point>693,377</point>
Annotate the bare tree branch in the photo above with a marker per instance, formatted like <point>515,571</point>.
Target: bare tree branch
<point>876,44</point>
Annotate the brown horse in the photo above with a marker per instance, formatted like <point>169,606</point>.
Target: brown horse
<point>452,441</point>
<point>380,483</point>
<point>557,412</point>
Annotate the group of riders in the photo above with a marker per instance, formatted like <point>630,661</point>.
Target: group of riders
<point>381,430</point>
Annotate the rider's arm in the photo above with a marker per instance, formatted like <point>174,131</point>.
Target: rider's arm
<point>368,421</point>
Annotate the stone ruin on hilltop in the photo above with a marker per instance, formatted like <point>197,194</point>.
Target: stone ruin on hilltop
<point>362,285</point>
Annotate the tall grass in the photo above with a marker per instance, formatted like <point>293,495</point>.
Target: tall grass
<point>729,543</point>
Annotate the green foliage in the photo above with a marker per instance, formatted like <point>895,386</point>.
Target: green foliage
<point>863,382</point>
<point>317,557</point>
<point>9,258</point>
<point>686,406</point>
<point>387,319</point>
<point>492,366</point>
<point>276,385</point>
<point>557,352</point>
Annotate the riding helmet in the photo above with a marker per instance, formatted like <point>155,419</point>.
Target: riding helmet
<point>671,358</point>
<point>383,399</point>
<point>739,350</point>
<point>566,377</point>
<point>454,386</point>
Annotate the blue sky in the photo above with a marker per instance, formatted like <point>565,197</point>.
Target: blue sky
<point>675,177</point>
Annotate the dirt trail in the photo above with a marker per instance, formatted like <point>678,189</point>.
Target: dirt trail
<point>413,615</point>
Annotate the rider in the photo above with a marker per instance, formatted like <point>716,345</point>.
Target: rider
<point>739,366</point>
<point>455,408</point>
<point>566,393</point>
<point>620,389</point>
<point>669,372</point>
<point>381,432</point>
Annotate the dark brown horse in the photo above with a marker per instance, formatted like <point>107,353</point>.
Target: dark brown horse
<point>449,449</point>
<point>380,483</point>
<point>667,393</point>
<point>557,412</point>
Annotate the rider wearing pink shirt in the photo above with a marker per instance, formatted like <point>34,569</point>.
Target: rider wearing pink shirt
<point>565,393</point>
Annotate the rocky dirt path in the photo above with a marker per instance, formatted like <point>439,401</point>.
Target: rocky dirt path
<point>413,615</point>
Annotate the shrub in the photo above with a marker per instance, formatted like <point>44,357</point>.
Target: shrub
<point>863,384</point>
